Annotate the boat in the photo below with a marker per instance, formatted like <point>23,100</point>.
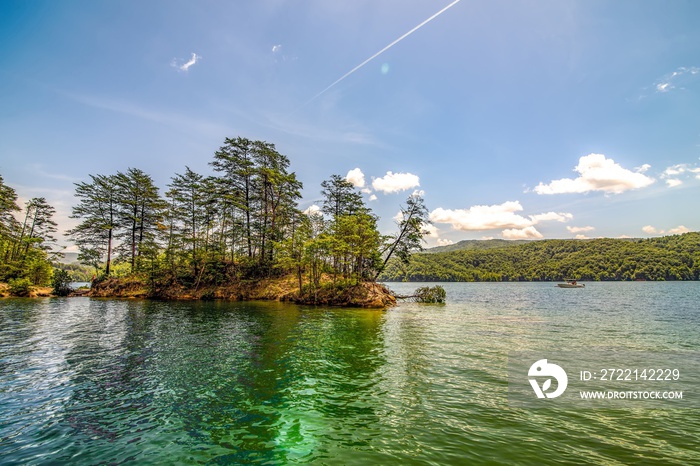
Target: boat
<point>571,284</point>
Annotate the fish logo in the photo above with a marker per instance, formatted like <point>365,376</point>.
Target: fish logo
<point>544,369</point>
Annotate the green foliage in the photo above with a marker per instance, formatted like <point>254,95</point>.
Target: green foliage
<point>79,272</point>
<point>61,283</point>
<point>25,246</point>
<point>412,229</point>
<point>430,294</point>
<point>99,211</point>
<point>667,258</point>
<point>37,267</point>
<point>20,287</point>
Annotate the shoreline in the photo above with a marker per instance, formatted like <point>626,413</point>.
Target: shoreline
<point>285,289</point>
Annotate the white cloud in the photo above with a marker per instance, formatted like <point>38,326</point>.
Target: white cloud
<point>356,177</point>
<point>674,173</point>
<point>418,193</point>
<point>276,48</point>
<point>579,229</point>
<point>551,216</point>
<point>581,237</point>
<point>395,182</point>
<point>680,229</point>
<point>491,217</point>
<point>482,217</point>
<point>444,242</point>
<point>597,173</point>
<point>312,210</point>
<point>185,66</point>
<point>432,230</point>
<point>523,233</point>
<point>373,197</point>
<point>398,217</point>
<point>676,79</point>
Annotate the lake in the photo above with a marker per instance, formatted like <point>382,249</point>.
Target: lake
<point>86,381</point>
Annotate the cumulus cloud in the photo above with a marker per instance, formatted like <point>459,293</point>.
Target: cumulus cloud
<point>522,233</point>
<point>680,229</point>
<point>490,217</point>
<point>312,210</point>
<point>598,173</point>
<point>551,216</point>
<point>177,63</point>
<point>482,217</point>
<point>395,182</point>
<point>673,174</point>
<point>444,242</point>
<point>579,229</point>
<point>356,177</point>
<point>373,197</point>
<point>432,230</point>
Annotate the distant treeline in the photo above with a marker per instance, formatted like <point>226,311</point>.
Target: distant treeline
<point>666,258</point>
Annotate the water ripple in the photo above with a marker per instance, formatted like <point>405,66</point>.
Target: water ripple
<point>131,382</point>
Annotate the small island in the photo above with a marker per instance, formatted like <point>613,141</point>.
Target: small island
<point>237,233</point>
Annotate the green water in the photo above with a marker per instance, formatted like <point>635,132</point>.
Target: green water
<point>134,382</point>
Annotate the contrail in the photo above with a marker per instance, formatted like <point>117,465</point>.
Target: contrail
<point>383,50</point>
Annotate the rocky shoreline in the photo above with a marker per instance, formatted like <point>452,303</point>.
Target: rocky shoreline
<point>285,289</point>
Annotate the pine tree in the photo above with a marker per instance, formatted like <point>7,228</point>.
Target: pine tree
<point>99,211</point>
<point>141,213</point>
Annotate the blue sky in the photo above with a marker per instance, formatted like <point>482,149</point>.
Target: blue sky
<point>516,119</point>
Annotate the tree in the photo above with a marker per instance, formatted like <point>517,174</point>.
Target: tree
<point>293,247</point>
<point>61,283</point>
<point>37,229</point>
<point>340,197</point>
<point>344,205</point>
<point>24,246</point>
<point>140,212</point>
<point>188,213</point>
<point>8,223</point>
<point>256,187</point>
<point>99,211</point>
<point>357,241</point>
<point>276,197</point>
<point>409,239</point>
<point>235,160</point>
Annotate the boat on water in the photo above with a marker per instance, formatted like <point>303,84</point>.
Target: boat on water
<point>571,284</point>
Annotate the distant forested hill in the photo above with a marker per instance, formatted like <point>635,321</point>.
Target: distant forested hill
<point>666,258</point>
<point>477,244</point>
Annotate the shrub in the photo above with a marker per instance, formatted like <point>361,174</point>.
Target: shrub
<point>20,287</point>
<point>427,294</point>
<point>61,283</point>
